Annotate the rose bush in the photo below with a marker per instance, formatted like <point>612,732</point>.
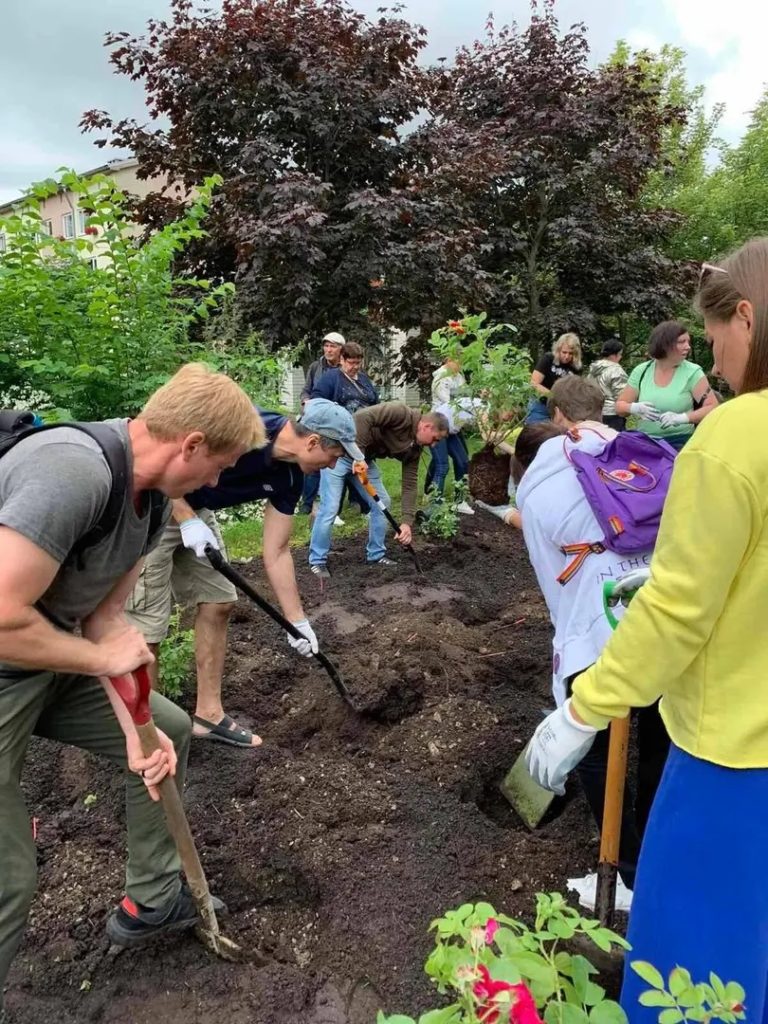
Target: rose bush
<point>501,971</point>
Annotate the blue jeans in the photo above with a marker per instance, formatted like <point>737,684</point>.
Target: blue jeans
<point>311,487</point>
<point>701,899</point>
<point>331,488</point>
<point>455,448</point>
<point>537,412</point>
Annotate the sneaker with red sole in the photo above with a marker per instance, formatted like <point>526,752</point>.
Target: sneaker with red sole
<point>133,924</point>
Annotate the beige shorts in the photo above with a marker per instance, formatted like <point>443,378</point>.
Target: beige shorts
<point>174,575</point>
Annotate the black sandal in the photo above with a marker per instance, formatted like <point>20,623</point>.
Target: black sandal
<point>223,732</point>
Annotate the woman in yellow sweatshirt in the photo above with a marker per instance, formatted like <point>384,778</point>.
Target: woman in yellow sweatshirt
<point>696,635</point>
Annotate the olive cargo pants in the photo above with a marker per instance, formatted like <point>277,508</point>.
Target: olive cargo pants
<point>74,709</point>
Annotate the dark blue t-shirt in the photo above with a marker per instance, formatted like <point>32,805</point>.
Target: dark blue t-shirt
<point>255,475</point>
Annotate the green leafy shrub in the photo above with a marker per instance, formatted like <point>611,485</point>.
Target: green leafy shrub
<point>498,372</point>
<point>177,655</point>
<point>99,321</point>
<point>441,516</point>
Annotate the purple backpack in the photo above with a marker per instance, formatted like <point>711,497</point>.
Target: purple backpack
<point>626,485</point>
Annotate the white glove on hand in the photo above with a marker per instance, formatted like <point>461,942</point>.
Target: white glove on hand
<point>305,647</point>
<point>557,746</point>
<point>631,581</point>
<point>502,511</point>
<point>644,410</point>
<point>195,535</point>
<point>674,419</point>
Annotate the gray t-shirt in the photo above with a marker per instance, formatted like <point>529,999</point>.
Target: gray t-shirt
<point>54,487</point>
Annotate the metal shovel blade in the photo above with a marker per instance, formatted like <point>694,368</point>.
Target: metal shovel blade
<point>529,799</point>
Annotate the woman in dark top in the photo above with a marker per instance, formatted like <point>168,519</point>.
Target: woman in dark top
<point>564,358</point>
<point>348,386</point>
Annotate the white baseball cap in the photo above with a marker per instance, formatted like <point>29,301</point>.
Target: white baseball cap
<point>335,338</point>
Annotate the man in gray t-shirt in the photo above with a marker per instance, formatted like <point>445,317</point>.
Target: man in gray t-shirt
<point>54,680</point>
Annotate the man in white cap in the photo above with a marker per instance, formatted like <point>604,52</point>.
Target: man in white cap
<point>333,343</point>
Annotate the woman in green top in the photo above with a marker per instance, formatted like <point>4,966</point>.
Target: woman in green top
<point>668,394</point>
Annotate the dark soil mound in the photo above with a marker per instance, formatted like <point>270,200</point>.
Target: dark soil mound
<point>337,842</point>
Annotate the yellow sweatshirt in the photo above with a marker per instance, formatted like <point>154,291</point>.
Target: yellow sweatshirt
<point>697,633</point>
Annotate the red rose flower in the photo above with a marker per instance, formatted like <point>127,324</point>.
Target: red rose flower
<point>491,927</point>
<point>522,1009</point>
<point>90,230</point>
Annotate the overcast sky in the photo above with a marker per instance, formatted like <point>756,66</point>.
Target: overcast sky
<point>54,65</point>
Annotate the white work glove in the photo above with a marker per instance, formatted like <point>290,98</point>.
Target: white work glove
<point>502,511</point>
<point>674,419</point>
<point>631,582</point>
<point>195,535</point>
<point>557,746</point>
<point>644,410</point>
<point>308,645</point>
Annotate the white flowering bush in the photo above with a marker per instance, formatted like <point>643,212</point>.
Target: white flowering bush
<point>24,397</point>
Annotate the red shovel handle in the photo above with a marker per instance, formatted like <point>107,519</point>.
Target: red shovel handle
<point>134,690</point>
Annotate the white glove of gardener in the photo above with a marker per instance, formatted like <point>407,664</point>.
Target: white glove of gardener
<point>195,535</point>
<point>674,419</point>
<point>644,411</point>
<point>557,746</point>
<point>308,645</point>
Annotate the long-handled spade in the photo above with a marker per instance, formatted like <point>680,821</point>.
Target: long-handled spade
<point>134,690</point>
<point>366,484</point>
<point>221,565</point>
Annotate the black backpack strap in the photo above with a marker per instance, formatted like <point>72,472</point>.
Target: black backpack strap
<point>157,503</point>
<point>114,453</point>
<point>18,425</point>
<point>646,368</point>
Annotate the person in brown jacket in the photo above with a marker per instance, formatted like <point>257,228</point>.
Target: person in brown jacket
<point>387,431</point>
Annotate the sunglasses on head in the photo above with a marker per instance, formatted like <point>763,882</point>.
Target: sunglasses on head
<point>707,269</point>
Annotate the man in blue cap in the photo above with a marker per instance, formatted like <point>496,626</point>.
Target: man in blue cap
<point>178,570</point>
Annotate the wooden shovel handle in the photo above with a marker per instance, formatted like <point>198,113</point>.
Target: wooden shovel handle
<point>178,826</point>
<point>616,775</point>
<point>134,690</point>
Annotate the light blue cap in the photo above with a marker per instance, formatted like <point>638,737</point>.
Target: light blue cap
<point>332,421</point>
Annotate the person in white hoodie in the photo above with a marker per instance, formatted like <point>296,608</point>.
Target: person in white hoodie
<point>556,518</point>
<point>447,383</point>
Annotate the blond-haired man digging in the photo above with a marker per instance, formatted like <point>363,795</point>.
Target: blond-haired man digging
<point>54,488</point>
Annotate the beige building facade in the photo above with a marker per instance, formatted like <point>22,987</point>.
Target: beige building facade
<point>61,216</point>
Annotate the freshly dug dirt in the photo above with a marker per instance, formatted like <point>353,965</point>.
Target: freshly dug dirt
<point>489,477</point>
<point>336,843</point>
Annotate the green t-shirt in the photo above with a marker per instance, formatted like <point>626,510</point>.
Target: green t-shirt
<point>677,396</point>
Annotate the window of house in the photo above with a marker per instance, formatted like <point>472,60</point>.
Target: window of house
<point>2,241</point>
<point>68,225</point>
<point>92,263</point>
<point>82,222</point>
<point>47,227</point>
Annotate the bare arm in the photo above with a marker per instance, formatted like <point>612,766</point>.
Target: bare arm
<point>29,640</point>
<point>181,511</point>
<point>537,383</point>
<point>278,562</point>
<point>625,399</point>
<point>701,389</point>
